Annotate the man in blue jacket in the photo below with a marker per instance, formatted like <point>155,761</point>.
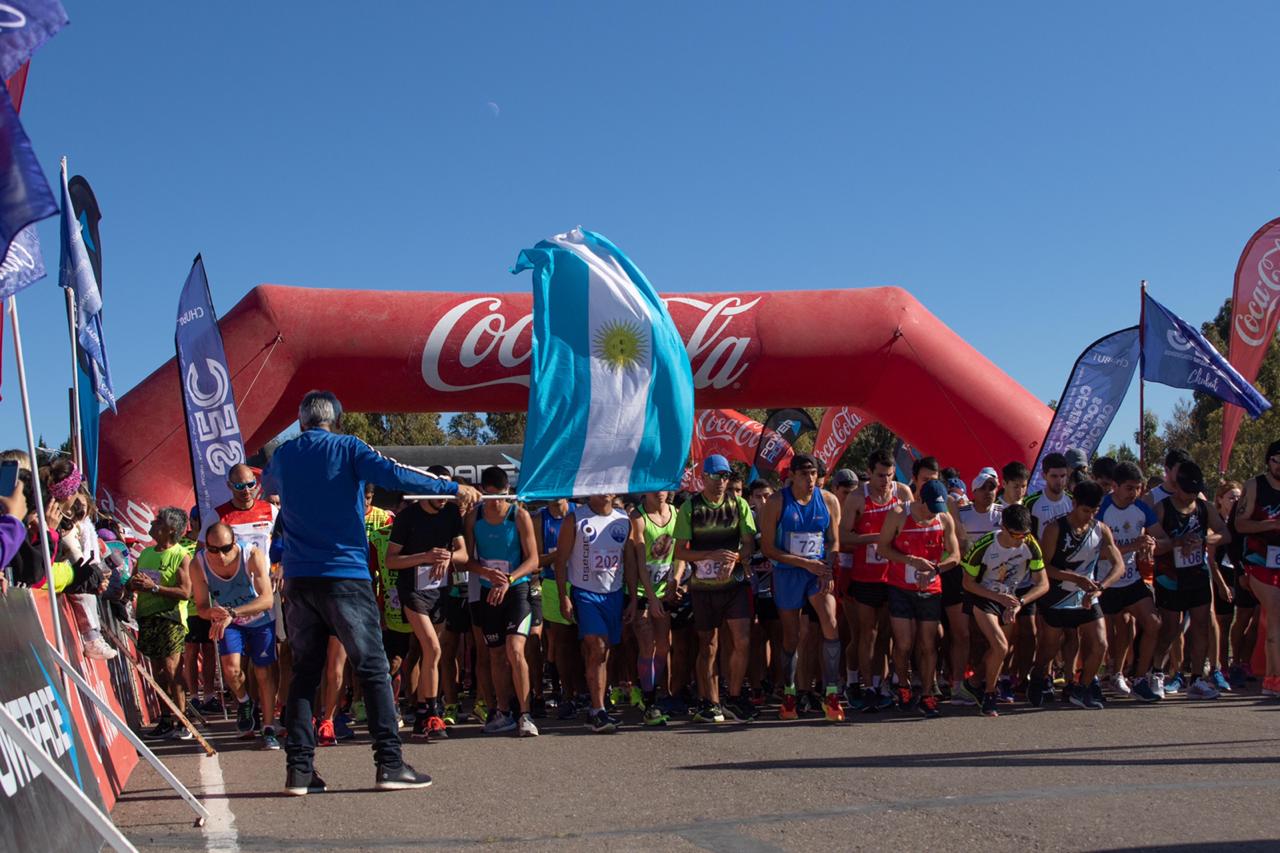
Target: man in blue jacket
<point>320,477</point>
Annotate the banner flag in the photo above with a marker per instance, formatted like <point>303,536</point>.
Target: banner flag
<point>840,426</point>
<point>1175,354</point>
<point>84,205</point>
<point>25,25</point>
<point>213,427</point>
<point>76,273</point>
<point>1254,316</point>
<point>1088,404</point>
<point>904,457</point>
<point>777,445</point>
<point>727,432</point>
<point>610,386</point>
<point>25,196</point>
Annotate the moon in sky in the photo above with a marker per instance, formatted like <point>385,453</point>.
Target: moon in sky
<point>494,108</point>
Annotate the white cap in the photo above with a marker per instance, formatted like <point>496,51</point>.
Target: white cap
<point>985,474</point>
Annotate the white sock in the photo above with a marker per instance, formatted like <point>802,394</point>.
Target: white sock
<point>850,676</point>
<point>242,699</point>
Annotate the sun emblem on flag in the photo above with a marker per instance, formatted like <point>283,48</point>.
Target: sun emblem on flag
<point>620,344</point>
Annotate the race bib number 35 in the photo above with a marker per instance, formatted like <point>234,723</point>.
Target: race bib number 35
<point>706,570</point>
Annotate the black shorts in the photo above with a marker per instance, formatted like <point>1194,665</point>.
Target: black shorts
<point>913,605</point>
<point>1243,598</point>
<point>396,643</point>
<point>953,587</point>
<point>1182,599</point>
<point>766,608</point>
<point>513,617</point>
<point>682,613</point>
<point>713,607</point>
<point>197,630</point>
<point>809,613</point>
<point>535,602</point>
<point>870,593</point>
<point>986,605</point>
<point>1065,619</point>
<point>457,614</point>
<point>1118,599</point>
<point>1027,611</point>
<point>428,602</point>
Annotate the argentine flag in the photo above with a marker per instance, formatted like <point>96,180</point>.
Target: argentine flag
<point>610,388</point>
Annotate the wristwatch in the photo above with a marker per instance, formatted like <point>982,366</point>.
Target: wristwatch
<point>231,612</point>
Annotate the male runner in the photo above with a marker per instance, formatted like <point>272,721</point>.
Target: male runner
<point>974,519</point>
<point>920,542</point>
<point>862,520</point>
<point>653,527</point>
<point>233,591</point>
<point>1188,524</point>
<point>1128,604</point>
<point>1014,476</point>
<point>561,637</point>
<point>426,541</point>
<point>999,563</point>
<point>799,533</point>
<point>1103,472</point>
<point>593,565</point>
<point>844,483</point>
<point>1078,545</point>
<point>1258,520</point>
<point>1047,505</point>
<point>766,630</point>
<point>504,556</point>
<point>715,534</point>
<point>1172,459</point>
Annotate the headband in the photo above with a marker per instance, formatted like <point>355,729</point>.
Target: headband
<point>66,487</point>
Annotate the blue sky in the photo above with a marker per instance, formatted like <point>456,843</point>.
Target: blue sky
<point>1018,168</point>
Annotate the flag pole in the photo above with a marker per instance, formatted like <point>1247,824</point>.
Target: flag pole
<point>1142,369</point>
<point>35,477</point>
<point>77,448</point>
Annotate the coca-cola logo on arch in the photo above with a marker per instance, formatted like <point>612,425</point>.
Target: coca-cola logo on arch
<point>724,425</point>
<point>484,342</point>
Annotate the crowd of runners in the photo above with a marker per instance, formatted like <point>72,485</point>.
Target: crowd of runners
<point>853,594</point>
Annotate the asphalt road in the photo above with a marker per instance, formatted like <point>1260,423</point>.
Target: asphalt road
<point>1179,775</point>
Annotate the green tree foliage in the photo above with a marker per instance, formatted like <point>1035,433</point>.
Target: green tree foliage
<point>468,428</point>
<point>506,427</point>
<point>395,428</point>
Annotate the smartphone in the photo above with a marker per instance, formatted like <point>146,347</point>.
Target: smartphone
<point>8,477</point>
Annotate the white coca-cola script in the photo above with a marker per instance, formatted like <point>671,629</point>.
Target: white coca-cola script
<point>1254,317</point>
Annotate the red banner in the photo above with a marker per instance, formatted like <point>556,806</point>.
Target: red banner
<point>727,432</point>
<point>1254,316</point>
<point>840,425</point>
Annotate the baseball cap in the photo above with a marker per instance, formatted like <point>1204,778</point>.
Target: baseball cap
<point>957,484</point>
<point>985,474</point>
<point>1076,458</point>
<point>1190,478</point>
<point>844,477</point>
<point>934,496</point>
<point>804,460</point>
<point>715,464</point>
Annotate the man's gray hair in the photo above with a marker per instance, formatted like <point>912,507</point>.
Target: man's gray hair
<point>174,519</point>
<point>319,408</point>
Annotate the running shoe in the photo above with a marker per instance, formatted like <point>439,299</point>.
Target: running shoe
<point>451,714</point>
<point>1237,677</point>
<point>962,694</point>
<point>1219,681</point>
<point>1004,691</point>
<point>905,699</point>
<point>886,700</point>
<point>738,710</point>
<point>269,738</point>
<point>833,709</point>
<point>673,706</point>
<point>244,719</point>
<point>437,728</point>
<point>401,778</point>
<point>1120,684</point>
<point>525,727</point>
<point>342,727</point>
<point>480,710</point>
<point>212,705</point>
<point>1271,686</point>
<point>501,723</point>
<point>1157,683</point>
<point>853,696</point>
<point>804,704</point>
<point>358,711</point>
<point>1076,695</point>
<point>325,735</point>
<point>757,698</point>
<point>568,710</point>
<point>1202,688</point>
<point>1175,685</point>
<point>99,650</point>
<point>602,723</point>
<point>420,727</point>
<point>637,697</point>
<point>653,716</point>
<point>990,704</point>
<point>930,706</point>
<point>1040,693</point>
<point>708,712</point>
<point>1093,698</point>
<point>1142,691</point>
<point>788,709</point>
<point>180,733</point>
<point>299,784</point>
<point>615,697</point>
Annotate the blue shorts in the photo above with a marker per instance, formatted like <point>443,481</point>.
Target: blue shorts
<point>599,614</point>
<point>260,639</point>
<point>792,587</point>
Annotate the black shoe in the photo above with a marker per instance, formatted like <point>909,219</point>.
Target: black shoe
<point>163,729</point>
<point>401,778</point>
<point>419,726</point>
<point>603,724</point>
<point>299,784</point>
<point>738,710</point>
<point>990,705</point>
<point>245,713</point>
<point>1040,692</point>
<point>538,708</point>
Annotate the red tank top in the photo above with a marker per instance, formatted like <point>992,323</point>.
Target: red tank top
<point>918,540</point>
<point>868,565</point>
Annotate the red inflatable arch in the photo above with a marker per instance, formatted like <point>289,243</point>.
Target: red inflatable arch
<point>875,348</point>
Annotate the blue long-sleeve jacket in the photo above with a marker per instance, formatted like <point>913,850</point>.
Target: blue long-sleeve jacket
<point>320,479</point>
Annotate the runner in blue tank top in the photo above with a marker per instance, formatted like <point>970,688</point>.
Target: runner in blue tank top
<point>799,533</point>
<point>545,598</point>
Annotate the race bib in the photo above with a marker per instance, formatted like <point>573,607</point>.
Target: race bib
<point>423,580</point>
<point>459,578</point>
<point>808,545</point>
<point>909,574</point>
<point>706,570</point>
<point>498,565</point>
<point>244,620</point>
<point>1273,557</point>
<point>844,561</point>
<point>393,598</point>
<point>1001,588</point>
<point>1188,557</point>
<point>658,572</point>
<point>873,555</point>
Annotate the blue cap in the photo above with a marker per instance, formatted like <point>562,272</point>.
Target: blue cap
<point>715,464</point>
<point>957,484</point>
<point>934,496</point>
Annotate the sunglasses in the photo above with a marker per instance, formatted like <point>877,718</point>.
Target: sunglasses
<point>242,487</point>
<point>717,476</point>
<point>221,549</point>
<point>1018,534</point>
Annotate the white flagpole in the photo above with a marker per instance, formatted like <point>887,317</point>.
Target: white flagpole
<point>35,478</point>
<point>77,445</point>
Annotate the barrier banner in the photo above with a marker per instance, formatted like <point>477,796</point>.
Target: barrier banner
<point>1253,318</point>
<point>1093,394</point>
<point>840,426</point>
<point>33,814</point>
<point>781,430</point>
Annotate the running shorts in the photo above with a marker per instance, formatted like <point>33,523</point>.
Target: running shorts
<point>922,607</point>
<point>1118,599</point>
<point>599,614</point>
<point>260,640</point>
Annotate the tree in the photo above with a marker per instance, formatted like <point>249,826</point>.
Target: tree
<point>468,428</point>
<point>506,427</point>
<point>382,429</point>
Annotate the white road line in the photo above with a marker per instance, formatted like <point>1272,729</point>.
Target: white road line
<point>220,835</point>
